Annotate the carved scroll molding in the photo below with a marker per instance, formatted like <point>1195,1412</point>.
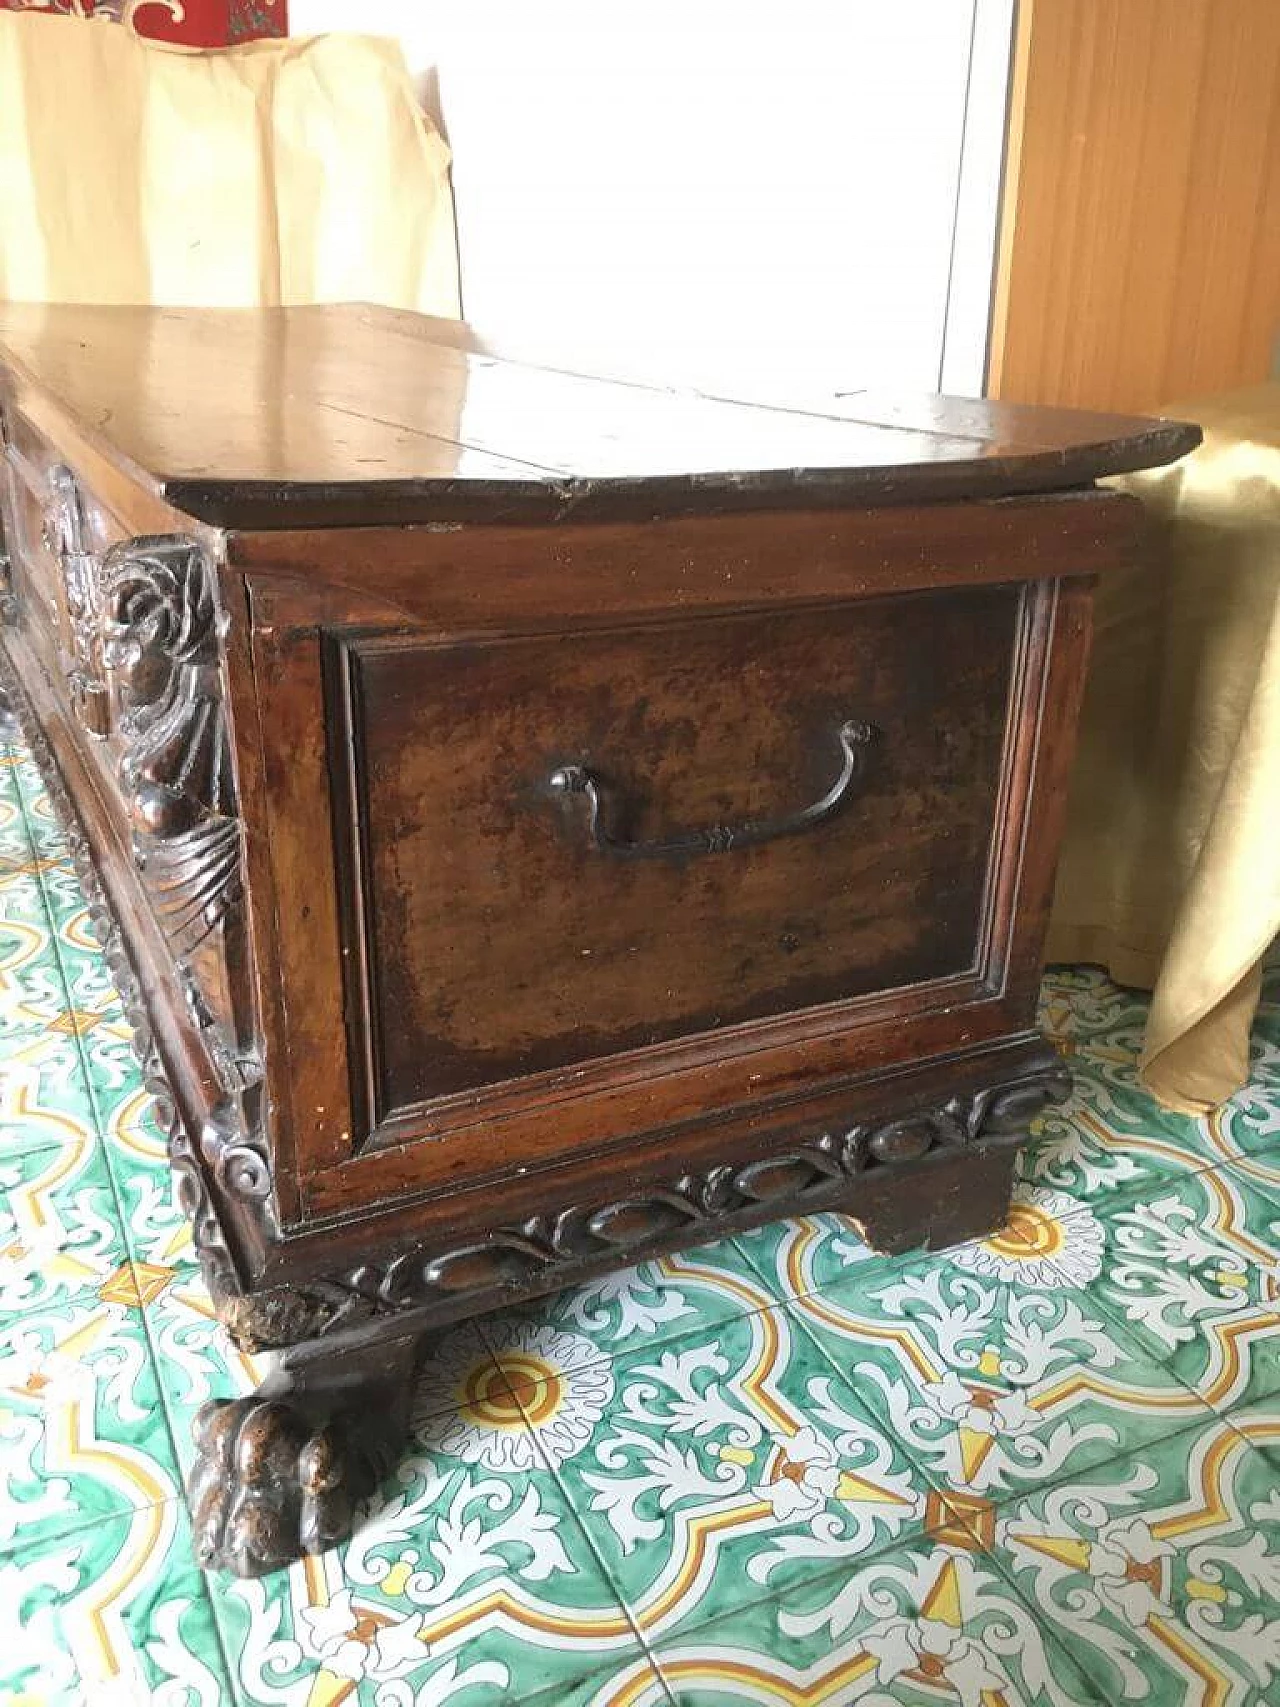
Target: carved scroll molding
<point>538,1254</point>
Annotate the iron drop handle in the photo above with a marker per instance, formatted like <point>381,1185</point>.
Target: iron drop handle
<point>855,737</point>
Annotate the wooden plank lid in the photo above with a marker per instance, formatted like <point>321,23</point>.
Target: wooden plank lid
<point>348,414</point>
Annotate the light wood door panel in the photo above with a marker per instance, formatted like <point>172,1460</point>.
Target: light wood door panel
<point>1140,246</point>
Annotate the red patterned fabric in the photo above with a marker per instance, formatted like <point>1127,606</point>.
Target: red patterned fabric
<point>197,23</point>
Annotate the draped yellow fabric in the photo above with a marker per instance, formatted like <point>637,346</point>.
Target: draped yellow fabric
<point>275,172</point>
<point>1171,871</point>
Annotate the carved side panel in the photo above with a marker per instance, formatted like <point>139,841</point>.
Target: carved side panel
<point>160,630</point>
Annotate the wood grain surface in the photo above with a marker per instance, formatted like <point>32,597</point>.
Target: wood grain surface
<point>324,416</point>
<point>1140,239</point>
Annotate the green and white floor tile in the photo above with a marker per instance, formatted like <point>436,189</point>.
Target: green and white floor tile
<point>1041,1469</point>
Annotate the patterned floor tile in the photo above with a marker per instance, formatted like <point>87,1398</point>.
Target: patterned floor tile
<point>923,1625</point>
<point>21,890</point>
<point>989,1363</point>
<point>82,1429</point>
<point>45,1101</point>
<point>1193,1273</point>
<point>1081,1008</point>
<point>1161,1573</point>
<point>1100,1143</point>
<point>48,833</point>
<point>20,780</point>
<point>65,898</point>
<point>652,1302</point>
<point>471,1586</point>
<point>720,1467</point>
<point>112,1615</point>
<point>805,1253</point>
<point>32,989</point>
<point>1249,1125</point>
<point>36,1017</point>
<point>135,1147</point>
<point>59,1230</point>
<point>84,968</point>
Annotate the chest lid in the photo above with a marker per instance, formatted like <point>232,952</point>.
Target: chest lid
<point>350,415</point>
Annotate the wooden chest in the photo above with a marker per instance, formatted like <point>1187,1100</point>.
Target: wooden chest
<point>537,822</point>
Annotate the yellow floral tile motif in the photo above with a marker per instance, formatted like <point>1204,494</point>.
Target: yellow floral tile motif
<point>1041,1469</point>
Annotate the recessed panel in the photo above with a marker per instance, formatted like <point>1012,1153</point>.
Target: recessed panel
<point>580,844</point>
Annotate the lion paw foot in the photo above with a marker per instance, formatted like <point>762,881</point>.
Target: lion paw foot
<point>269,1486</point>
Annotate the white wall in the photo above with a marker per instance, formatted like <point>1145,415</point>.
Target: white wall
<point>763,197</point>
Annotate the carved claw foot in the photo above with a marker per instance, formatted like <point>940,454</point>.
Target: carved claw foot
<point>283,1473</point>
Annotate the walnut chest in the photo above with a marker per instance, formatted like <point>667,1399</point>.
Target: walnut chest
<point>537,821</point>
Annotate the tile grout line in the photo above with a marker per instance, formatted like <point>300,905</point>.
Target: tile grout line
<point>644,1645</point>
<point>1128,1335</point>
<point>87,1078</point>
<point>1206,1413</point>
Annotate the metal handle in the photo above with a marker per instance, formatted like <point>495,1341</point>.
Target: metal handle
<point>854,739</point>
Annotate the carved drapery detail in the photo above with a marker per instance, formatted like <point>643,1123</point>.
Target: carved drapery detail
<point>160,647</point>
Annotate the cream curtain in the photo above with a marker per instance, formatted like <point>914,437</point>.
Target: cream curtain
<point>1171,872</point>
<point>277,172</point>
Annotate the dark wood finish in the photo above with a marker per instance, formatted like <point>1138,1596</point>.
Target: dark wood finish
<point>281,1473</point>
<point>427,1036</point>
<point>310,417</point>
<point>454,751</point>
